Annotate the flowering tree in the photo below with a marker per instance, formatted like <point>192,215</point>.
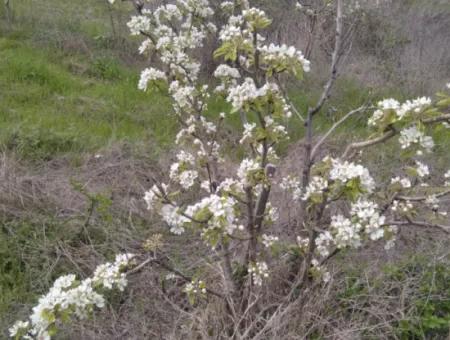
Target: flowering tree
<point>341,204</point>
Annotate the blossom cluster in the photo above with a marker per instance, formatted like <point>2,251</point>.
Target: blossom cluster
<point>316,186</point>
<point>181,171</point>
<point>247,169</point>
<point>259,272</point>
<point>68,296</point>
<point>282,57</point>
<point>292,184</point>
<point>401,207</point>
<point>414,136</point>
<point>366,222</point>
<point>219,213</point>
<point>447,177</point>
<point>269,240</point>
<point>401,111</point>
<point>148,75</point>
<point>408,115</point>
<point>195,287</point>
<point>348,171</point>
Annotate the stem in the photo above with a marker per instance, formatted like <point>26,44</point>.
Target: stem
<point>334,59</point>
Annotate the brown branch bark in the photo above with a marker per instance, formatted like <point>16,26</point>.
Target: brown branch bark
<point>334,59</point>
<point>387,135</point>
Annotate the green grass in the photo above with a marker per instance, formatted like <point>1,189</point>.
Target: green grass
<point>47,109</point>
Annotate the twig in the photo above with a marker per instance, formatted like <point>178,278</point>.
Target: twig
<point>334,60</point>
<point>172,270</point>
<point>442,227</point>
<point>423,198</point>
<point>334,127</point>
<point>360,145</point>
<point>389,134</point>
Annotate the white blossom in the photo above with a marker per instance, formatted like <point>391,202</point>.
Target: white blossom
<point>389,104</point>
<point>221,211</point>
<point>274,54</point>
<point>401,111</point>
<point>368,216</point>
<point>174,219</point>
<point>249,129</point>
<point>346,171</point>
<point>447,176</point>
<point>376,117</point>
<point>303,243</point>
<point>433,202</point>
<point>225,71</point>
<point>323,243</point>
<point>422,169</point>
<point>18,327</point>
<point>415,106</point>
<point>227,5</point>
<point>182,95</point>
<point>346,233</point>
<point>151,196</point>
<point>316,186</point>
<point>272,214</point>
<point>269,240</point>
<point>259,272</point>
<point>139,24</point>
<point>404,182</point>
<point>67,295</point>
<point>195,287</point>
<point>401,207</point>
<point>187,178</point>
<point>150,74</point>
<point>292,184</point>
<point>412,135</point>
<point>246,167</point>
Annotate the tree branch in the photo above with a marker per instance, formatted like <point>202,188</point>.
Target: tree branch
<point>334,59</point>
<point>389,134</point>
<point>334,127</point>
<point>422,198</point>
<point>360,145</point>
<point>442,227</point>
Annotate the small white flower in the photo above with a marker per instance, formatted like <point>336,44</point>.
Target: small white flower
<point>150,74</point>
<point>259,271</point>
<point>422,169</point>
<point>412,135</point>
<point>225,71</point>
<point>433,202</point>
<point>447,176</point>
<point>246,168</point>
<point>404,182</point>
<point>346,171</point>
<point>269,240</point>
<point>18,326</point>
<point>316,186</point>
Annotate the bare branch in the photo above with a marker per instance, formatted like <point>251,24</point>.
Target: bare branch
<point>334,127</point>
<point>167,267</point>
<point>442,227</point>
<point>423,198</point>
<point>387,135</point>
<point>438,119</point>
<point>334,60</point>
<point>360,145</point>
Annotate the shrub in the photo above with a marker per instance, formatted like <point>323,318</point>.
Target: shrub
<point>245,276</point>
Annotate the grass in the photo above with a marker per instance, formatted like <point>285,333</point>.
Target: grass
<point>46,109</point>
